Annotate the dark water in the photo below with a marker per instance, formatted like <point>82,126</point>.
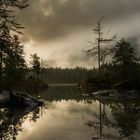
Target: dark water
<point>67,115</point>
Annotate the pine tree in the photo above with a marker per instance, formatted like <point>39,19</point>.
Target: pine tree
<point>14,61</point>
<point>8,23</point>
<point>125,57</point>
<point>35,63</point>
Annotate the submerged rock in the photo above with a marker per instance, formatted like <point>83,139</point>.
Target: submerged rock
<point>18,99</point>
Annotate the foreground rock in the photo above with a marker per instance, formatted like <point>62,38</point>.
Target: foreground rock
<point>18,99</point>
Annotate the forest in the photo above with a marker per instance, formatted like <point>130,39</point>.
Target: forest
<point>117,60</point>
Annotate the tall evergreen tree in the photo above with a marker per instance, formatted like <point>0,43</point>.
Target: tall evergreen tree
<point>125,57</point>
<point>14,61</point>
<point>8,22</point>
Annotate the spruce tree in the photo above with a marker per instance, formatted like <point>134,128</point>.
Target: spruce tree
<point>125,57</point>
<point>8,23</point>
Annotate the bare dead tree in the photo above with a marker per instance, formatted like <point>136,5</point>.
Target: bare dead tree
<point>100,40</point>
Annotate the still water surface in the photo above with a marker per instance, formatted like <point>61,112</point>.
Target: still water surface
<point>67,115</point>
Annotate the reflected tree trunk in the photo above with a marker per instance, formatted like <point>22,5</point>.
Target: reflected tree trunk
<point>100,113</point>
<point>0,65</point>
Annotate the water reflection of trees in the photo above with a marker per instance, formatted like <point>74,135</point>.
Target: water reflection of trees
<point>126,116</point>
<point>11,121</point>
<point>63,93</point>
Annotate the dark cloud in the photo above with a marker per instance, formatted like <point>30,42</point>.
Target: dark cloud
<point>59,30</point>
<point>51,19</point>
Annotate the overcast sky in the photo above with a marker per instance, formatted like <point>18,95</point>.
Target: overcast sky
<point>59,30</point>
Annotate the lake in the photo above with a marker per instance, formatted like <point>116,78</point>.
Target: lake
<point>67,115</point>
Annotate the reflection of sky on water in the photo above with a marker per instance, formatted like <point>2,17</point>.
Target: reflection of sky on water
<point>67,120</point>
<point>72,120</point>
<point>67,116</point>
<point>62,120</point>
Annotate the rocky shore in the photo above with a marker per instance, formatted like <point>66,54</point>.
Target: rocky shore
<point>117,94</point>
<point>129,89</point>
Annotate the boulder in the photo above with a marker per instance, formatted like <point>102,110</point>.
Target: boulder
<point>18,99</point>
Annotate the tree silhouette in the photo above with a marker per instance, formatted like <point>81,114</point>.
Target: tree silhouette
<point>8,23</point>
<point>98,50</point>
<point>125,57</point>
<point>14,61</point>
<point>35,62</point>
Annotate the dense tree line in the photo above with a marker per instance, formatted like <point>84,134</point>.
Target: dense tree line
<point>75,75</point>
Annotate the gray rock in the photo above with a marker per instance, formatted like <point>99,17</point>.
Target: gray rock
<point>18,99</point>
<point>106,92</point>
<point>117,94</point>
